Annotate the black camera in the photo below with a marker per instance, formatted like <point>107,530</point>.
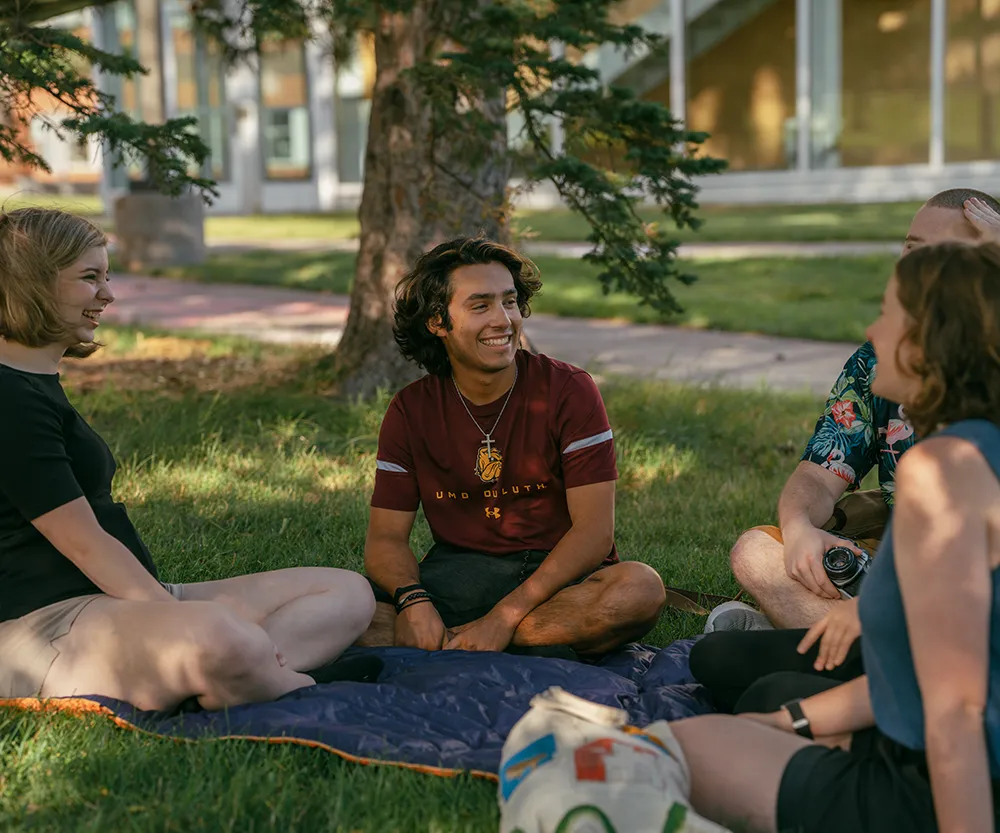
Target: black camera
<point>846,569</point>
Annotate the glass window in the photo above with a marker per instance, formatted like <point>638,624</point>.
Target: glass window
<point>118,27</point>
<point>885,109</point>
<point>200,88</point>
<point>740,92</point>
<point>352,137</point>
<point>127,95</point>
<point>972,79</point>
<point>284,108</point>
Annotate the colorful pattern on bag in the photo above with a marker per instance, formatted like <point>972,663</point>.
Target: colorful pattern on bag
<point>521,765</point>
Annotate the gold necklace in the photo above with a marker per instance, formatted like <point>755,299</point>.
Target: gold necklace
<point>489,461</point>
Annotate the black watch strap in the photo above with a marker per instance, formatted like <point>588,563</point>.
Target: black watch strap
<point>401,591</point>
<point>800,723</point>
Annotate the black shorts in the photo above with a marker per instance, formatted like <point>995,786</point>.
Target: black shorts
<point>465,585</point>
<point>877,786</point>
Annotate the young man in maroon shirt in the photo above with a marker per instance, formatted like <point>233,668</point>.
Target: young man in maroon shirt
<point>512,457</point>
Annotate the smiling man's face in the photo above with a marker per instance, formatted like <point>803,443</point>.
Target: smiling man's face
<point>485,318</point>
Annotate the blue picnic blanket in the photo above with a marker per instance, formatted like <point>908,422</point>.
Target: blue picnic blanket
<point>445,710</point>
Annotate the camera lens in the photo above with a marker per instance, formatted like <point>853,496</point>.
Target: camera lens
<point>840,563</point>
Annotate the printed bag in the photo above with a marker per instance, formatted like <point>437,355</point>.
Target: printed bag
<point>572,766</point>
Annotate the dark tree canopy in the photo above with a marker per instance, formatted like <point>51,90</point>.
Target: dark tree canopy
<point>440,157</point>
<point>619,150</point>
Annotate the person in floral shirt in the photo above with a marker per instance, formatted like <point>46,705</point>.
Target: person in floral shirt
<point>782,566</point>
<point>858,431</point>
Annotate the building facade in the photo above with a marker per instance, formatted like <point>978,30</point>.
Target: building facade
<point>808,100</point>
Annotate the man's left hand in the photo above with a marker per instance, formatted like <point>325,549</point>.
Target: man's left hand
<point>491,633</point>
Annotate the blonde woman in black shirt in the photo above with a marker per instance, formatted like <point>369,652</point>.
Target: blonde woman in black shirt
<point>81,608</point>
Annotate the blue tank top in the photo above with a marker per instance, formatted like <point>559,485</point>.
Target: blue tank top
<point>892,680</point>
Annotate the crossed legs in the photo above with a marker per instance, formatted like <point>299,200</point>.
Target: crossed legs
<point>615,605</point>
<point>758,563</point>
<point>221,644</point>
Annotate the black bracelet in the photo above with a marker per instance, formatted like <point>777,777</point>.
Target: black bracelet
<point>401,590</point>
<point>410,602</point>
<point>409,597</point>
<point>800,723</point>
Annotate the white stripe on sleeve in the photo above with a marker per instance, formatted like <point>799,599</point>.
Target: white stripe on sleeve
<point>597,439</point>
<point>382,465</point>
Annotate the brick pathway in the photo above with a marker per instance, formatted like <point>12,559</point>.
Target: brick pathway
<point>648,351</point>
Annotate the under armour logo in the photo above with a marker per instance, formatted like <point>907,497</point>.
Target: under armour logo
<point>492,513</point>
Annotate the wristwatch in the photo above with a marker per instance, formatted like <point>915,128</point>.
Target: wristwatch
<point>800,723</point>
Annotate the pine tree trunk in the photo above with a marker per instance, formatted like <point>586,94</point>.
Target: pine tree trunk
<point>418,191</point>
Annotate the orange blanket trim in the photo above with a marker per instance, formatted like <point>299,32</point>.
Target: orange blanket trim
<point>80,707</point>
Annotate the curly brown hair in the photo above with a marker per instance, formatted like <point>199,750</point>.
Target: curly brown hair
<point>951,292</point>
<point>424,293</point>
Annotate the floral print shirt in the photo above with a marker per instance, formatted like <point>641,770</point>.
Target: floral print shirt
<point>859,430</point>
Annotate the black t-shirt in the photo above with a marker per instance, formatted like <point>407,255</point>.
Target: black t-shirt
<point>51,457</point>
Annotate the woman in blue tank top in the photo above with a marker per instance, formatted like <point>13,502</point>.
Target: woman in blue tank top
<point>915,744</point>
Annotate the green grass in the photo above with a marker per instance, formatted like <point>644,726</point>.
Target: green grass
<point>763,223</point>
<point>800,223</point>
<point>832,299</point>
<point>84,204</point>
<point>723,223</point>
<point>221,482</point>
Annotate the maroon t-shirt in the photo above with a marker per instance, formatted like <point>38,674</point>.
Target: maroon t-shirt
<point>553,435</point>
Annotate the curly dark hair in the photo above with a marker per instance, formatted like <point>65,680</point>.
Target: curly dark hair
<point>952,293</point>
<point>425,292</point>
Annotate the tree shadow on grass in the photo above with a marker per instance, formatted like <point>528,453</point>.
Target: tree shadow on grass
<point>273,474</point>
<point>319,271</point>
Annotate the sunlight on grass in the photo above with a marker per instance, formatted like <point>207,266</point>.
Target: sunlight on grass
<point>642,464</point>
<point>337,226</point>
<point>811,218</point>
<point>749,223</point>
<point>83,204</point>
<point>831,298</point>
<point>274,474</point>
<point>145,342</point>
<point>722,223</point>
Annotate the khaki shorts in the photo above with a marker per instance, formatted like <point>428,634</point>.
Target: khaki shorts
<point>860,517</point>
<point>26,644</point>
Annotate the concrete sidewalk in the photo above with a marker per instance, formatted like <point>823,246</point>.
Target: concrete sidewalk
<point>735,360</point>
<point>690,251</point>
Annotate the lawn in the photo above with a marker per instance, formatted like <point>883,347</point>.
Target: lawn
<point>833,299</point>
<point>723,223</point>
<point>233,459</point>
<point>764,223</point>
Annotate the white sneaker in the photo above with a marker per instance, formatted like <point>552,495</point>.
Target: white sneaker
<point>736,616</point>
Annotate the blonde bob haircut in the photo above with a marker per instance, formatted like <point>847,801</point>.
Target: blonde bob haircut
<point>35,245</point>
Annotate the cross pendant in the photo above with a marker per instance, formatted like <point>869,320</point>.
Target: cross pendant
<point>488,442</point>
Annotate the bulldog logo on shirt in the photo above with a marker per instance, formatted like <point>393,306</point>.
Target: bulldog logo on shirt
<point>489,464</point>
